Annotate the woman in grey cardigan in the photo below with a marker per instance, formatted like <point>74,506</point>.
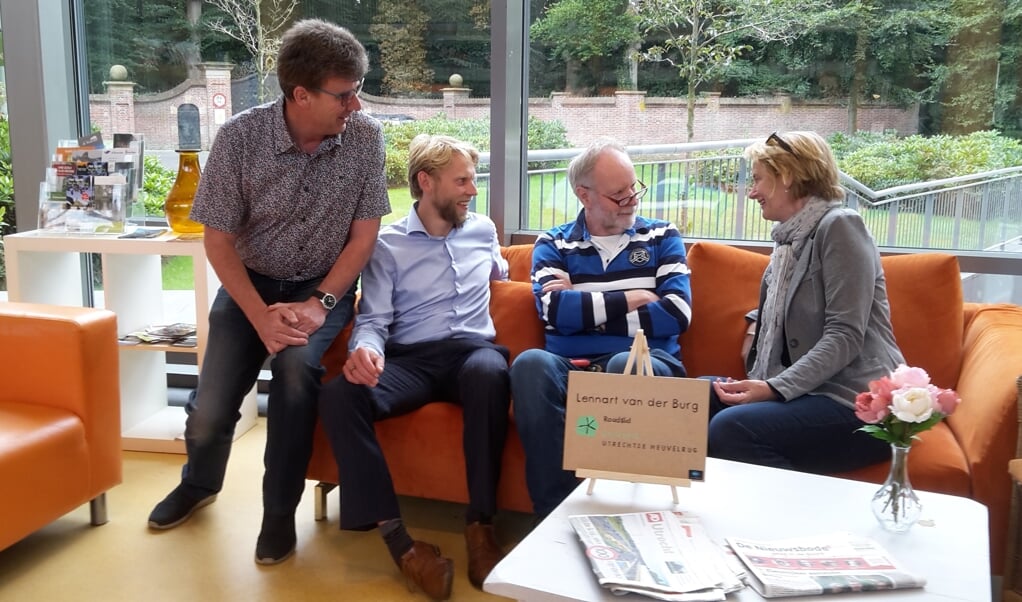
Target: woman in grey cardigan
<point>823,327</point>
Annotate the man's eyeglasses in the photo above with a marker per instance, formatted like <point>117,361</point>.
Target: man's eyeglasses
<point>775,139</point>
<point>635,196</point>
<point>344,97</point>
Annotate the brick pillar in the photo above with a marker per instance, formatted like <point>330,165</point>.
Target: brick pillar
<point>452,97</point>
<point>216,107</point>
<point>630,100</point>
<point>785,103</point>
<point>713,101</point>
<point>121,96</point>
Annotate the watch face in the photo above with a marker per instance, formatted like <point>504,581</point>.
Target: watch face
<point>328,300</point>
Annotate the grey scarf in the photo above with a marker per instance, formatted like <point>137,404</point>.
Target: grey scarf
<point>790,237</point>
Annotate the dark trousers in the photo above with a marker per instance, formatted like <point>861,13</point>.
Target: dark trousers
<point>234,356</point>
<point>810,433</point>
<point>471,373</point>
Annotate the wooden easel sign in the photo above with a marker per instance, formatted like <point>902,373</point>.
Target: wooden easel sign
<point>636,427</point>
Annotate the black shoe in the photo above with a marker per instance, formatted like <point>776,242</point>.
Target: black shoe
<point>277,539</point>
<point>176,508</point>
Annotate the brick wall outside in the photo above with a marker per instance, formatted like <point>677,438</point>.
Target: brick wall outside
<point>631,117</point>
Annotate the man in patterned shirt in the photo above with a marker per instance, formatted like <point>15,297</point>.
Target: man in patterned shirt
<point>291,200</point>
<point>597,280</point>
<point>424,333</point>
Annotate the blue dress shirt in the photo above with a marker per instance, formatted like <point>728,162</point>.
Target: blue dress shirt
<point>418,287</point>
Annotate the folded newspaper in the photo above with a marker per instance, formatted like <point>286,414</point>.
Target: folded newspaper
<point>179,334</point>
<point>663,555</point>
<point>826,564</point>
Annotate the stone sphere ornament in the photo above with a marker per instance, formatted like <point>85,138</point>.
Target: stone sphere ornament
<point>118,73</point>
<point>456,80</point>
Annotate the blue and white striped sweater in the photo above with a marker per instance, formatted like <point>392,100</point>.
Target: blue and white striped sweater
<point>592,319</point>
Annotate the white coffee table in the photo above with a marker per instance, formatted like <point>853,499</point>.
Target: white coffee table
<point>949,546</point>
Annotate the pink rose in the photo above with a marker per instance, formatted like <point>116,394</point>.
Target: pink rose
<point>905,376</point>
<point>871,408</point>
<point>883,387</point>
<point>946,401</point>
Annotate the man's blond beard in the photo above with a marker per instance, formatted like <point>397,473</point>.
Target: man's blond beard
<point>449,211</point>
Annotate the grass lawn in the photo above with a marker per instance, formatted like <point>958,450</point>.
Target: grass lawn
<point>703,212</point>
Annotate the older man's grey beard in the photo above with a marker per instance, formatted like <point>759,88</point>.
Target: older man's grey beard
<point>449,211</point>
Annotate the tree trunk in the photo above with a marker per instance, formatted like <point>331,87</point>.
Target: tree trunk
<point>572,78</point>
<point>692,61</point>
<point>972,61</point>
<point>193,55</point>
<point>855,90</point>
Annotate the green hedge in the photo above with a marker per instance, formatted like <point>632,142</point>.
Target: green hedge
<point>893,162</point>
<point>542,134</point>
<point>883,160</point>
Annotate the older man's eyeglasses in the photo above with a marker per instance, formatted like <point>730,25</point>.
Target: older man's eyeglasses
<point>635,196</point>
<point>344,97</point>
<point>775,139</point>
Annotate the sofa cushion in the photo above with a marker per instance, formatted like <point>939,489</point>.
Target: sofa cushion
<point>513,308</point>
<point>925,291</point>
<point>725,286</point>
<point>519,261</point>
<point>44,461</point>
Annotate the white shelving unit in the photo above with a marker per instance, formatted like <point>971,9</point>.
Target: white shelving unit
<point>45,267</point>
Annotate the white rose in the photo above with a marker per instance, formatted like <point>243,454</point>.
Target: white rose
<point>911,404</point>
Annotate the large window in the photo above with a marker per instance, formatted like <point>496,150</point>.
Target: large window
<point>934,84</point>
<point>430,67</point>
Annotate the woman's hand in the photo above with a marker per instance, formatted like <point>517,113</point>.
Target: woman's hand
<point>738,392</point>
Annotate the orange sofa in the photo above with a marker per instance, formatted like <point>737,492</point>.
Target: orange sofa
<point>60,414</point>
<point>974,348</point>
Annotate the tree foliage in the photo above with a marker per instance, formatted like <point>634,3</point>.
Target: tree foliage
<point>152,40</point>
<point>259,26</point>
<point>583,32</point>
<point>885,49</point>
<point>697,36</point>
<point>401,26</point>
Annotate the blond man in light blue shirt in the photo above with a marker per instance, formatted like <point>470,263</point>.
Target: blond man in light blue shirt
<point>424,334</point>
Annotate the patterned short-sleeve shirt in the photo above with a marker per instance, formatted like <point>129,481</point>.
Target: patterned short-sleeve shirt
<point>291,211</point>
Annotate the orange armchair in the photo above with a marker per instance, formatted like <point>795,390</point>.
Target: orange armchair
<point>60,417</point>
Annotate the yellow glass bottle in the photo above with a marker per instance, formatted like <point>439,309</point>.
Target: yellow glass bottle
<point>178,205</point>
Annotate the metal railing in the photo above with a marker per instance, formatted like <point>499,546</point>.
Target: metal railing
<point>706,195</point>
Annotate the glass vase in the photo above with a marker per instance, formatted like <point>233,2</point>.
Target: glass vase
<point>178,205</point>
<point>895,505</point>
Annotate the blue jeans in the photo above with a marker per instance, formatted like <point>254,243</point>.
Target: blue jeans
<point>234,357</point>
<point>810,433</point>
<point>539,390</point>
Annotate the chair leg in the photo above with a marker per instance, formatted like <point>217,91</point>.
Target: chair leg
<point>97,510</point>
<point>320,497</point>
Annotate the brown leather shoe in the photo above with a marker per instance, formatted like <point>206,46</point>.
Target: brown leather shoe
<point>483,552</point>
<point>425,567</point>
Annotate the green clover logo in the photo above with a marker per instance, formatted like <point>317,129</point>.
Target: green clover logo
<point>586,426</point>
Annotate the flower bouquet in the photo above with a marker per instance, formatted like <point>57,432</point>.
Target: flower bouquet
<point>896,409</point>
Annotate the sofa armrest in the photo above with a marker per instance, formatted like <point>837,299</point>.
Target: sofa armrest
<point>67,358</point>
<point>986,424</point>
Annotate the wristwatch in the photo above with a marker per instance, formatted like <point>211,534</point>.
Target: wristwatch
<point>328,300</point>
